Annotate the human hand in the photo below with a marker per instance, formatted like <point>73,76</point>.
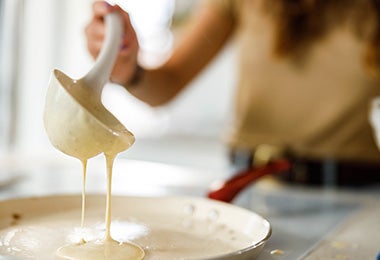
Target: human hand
<point>126,61</point>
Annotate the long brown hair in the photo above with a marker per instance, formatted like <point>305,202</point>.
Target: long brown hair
<point>299,23</point>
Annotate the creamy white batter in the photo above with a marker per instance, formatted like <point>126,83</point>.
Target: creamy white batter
<point>103,249</point>
<point>163,236</point>
<point>84,129</point>
<point>55,235</point>
<point>106,248</point>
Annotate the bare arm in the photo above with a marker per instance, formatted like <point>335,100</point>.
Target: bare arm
<point>198,46</point>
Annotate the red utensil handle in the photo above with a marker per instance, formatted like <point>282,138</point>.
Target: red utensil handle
<point>236,184</point>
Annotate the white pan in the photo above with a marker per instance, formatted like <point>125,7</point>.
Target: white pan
<point>166,227</point>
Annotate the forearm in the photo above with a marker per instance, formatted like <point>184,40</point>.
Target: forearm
<point>195,50</point>
<point>207,33</point>
<point>155,86</point>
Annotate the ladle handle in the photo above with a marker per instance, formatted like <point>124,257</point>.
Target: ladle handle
<point>99,74</point>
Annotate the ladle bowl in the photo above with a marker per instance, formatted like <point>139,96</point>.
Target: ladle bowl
<point>75,119</point>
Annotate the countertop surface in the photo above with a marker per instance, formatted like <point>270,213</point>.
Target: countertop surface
<point>307,223</point>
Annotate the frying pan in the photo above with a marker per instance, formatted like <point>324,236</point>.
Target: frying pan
<point>171,227</point>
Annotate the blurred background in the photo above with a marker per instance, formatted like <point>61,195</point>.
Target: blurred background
<point>180,147</point>
<point>37,36</point>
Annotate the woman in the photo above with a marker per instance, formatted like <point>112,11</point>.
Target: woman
<point>307,72</point>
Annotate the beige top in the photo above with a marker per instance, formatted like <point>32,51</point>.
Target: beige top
<point>319,110</point>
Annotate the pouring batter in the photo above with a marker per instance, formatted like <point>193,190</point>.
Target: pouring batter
<point>107,248</point>
<point>79,125</point>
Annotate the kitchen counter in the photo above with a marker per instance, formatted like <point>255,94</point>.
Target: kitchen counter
<point>307,223</point>
<point>317,223</point>
<point>357,238</point>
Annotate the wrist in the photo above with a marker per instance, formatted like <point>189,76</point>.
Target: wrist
<point>128,80</point>
<point>136,77</point>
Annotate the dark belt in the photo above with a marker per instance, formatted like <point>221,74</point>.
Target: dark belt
<point>321,172</point>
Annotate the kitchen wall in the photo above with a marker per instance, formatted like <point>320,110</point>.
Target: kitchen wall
<point>39,35</point>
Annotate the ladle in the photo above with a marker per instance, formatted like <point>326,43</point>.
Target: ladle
<point>75,119</point>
